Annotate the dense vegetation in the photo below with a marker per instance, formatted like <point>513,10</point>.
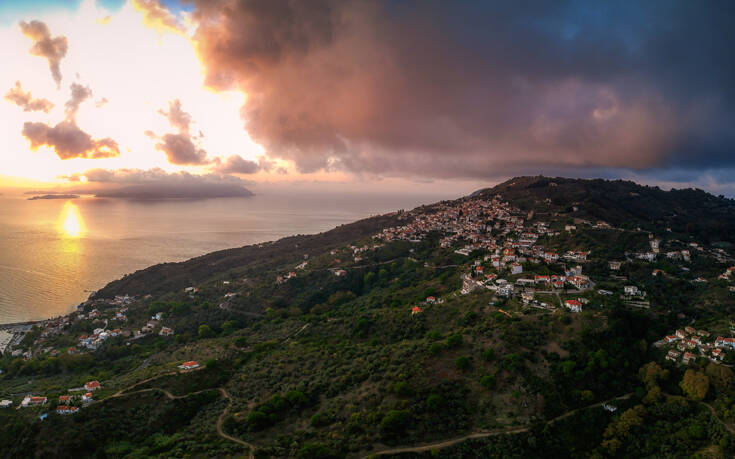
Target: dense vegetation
<point>325,365</point>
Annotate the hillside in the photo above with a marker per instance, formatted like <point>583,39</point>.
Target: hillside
<point>543,317</point>
<point>691,212</point>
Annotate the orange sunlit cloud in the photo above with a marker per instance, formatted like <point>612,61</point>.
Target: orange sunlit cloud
<point>135,63</point>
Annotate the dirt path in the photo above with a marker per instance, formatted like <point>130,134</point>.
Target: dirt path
<point>727,426</point>
<point>485,433</point>
<point>170,373</point>
<point>220,421</point>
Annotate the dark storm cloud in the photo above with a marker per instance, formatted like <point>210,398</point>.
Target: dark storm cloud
<point>470,89</point>
<point>179,148</point>
<point>69,141</point>
<point>53,49</point>
<point>26,101</point>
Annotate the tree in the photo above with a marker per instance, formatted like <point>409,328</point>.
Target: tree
<point>454,340</point>
<point>720,376</point>
<point>296,398</point>
<point>654,395</point>
<point>402,389</point>
<point>436,348</point>
<point>434,402</point>
<point>258,420</point>
<point>205,331</point>
<point>321,419</point>
<point>315,451</point>
<point>695,384</point>
<point>395,421</point>
<point>651,373</point>
<point>230,326</point>
<point>488,382</point>
<point>463,363</point>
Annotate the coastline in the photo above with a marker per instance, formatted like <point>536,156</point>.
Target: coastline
<point>23,324</point>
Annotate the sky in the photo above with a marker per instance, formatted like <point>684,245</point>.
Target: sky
<point>365,94</point>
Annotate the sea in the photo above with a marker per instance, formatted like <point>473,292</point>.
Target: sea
<point>55,252</point>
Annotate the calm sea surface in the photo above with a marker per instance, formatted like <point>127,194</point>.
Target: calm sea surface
<point>54,252</point>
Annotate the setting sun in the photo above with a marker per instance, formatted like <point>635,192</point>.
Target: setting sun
<point>72,224</point>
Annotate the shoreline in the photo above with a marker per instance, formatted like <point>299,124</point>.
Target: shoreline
<point>23,324</point>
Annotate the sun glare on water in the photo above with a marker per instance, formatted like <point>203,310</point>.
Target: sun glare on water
<point>72,224</point>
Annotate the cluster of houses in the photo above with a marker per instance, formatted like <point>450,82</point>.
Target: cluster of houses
<point>690,343</point>
<point>70,404</point>
<point>469,220</point>
<point>108,315</point>
<point>479,224</point>
<point>66,403</point>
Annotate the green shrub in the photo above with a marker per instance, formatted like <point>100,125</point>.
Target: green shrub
<point>454,340</point>
<point>395,421</point>
<point>205,331</point>
<point>321,419</point>
<point>402,389</point>
<point>488,382</point>
<point>463,363</point>
<point>435,402</point>
<point>436,348</point>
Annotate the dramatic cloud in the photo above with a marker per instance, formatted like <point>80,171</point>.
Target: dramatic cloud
<point>159,184</point>
<point>470,89</point>
<point>53,49</point>
<point>24,100</point>
<point>236,164</point>
<point>179,148</point>
<point>69,141</point>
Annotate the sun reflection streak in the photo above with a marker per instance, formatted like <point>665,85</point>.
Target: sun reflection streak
<point>72,224</point>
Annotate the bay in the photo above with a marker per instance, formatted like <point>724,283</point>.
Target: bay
<point>54,252</point>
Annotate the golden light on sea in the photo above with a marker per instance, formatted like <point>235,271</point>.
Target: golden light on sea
<point>72,224</point>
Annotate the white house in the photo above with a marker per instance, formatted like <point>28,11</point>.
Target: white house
<point>189,365</point>
<point>31,400</point>
<point>573,305</point>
